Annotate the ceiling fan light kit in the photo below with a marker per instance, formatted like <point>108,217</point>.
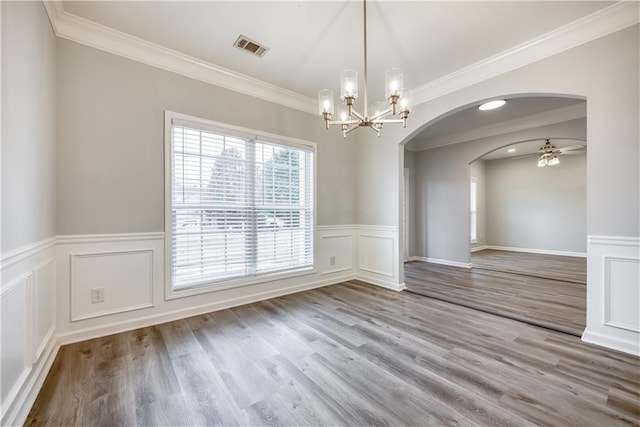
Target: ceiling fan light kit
<point>549,155</point>
<point>399,99</point>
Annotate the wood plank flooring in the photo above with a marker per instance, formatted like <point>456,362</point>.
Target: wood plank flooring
<point>566,268</point>
<point>549,303</point>
<point>349,354</point>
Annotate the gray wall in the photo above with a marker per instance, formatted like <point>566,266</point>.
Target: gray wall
<point>477,170</point>
<point>28,124</point>
<point>111,136</point>
<point>537,208</point>
<point>442,189</point>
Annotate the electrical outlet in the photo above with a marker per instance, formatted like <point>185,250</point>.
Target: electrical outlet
<point>97,295</point>
<point>332,260</point>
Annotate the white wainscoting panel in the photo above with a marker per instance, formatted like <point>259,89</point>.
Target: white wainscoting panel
<point>622,293</point>
<point>125,276</point>
<point>44,288</point>
<point>613,293</point>
<point>336,249</point>
<point>16,359</point>
<point>28,337</point>
<point>378,256</point>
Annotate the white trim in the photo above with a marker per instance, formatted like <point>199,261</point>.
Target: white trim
<point>335,227</point>
<point>387,284</point>
<point>14,256</point>
<point>607,340</point>
<point>441,261</point>
<point>390,228</point>
<point>105,238</point>
<point>559,115</point>
<point>537,251</point>
<point>155,319</point>
<point>89,33</point>
<point>19,404</point>
<point>606,21</point>
<point>479,248</point>
<point>23,278</point>
<point>614,241</point>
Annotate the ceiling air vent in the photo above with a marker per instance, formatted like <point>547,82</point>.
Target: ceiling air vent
<point>248,45</point>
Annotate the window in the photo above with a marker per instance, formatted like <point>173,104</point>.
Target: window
<point>474,210</point>
<point>239,206</point>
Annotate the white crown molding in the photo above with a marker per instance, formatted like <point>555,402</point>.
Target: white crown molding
<point>599,24</point>
<point>558,115</point>
<point>84,31</point>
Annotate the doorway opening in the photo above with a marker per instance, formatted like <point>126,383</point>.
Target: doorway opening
<point>493,231</point>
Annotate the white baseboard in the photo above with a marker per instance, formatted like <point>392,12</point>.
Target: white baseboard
<point>387,284</point>
<point>615,343</point>
<point>479,248</point>
<point>535,251</point>
<point>19,407</point>
<point>441,261</point>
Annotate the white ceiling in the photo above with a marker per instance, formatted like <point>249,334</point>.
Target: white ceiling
<point>311,41</point>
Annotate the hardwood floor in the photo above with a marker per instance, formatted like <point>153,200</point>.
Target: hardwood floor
<point>549,303</point>
<point>565,268</point>
<point>349,354</point>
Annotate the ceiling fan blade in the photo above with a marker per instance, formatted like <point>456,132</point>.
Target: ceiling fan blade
<point>525,156</point>
<point>576,147</point>
<point>572,153</point>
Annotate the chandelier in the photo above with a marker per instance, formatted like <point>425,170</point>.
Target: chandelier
<point>399,99</point>
<point>548,155</point>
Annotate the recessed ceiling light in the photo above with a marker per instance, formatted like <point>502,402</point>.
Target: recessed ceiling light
<point>511,150</point>
<point>492,105</point>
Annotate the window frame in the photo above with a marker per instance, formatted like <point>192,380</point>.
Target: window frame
<point>473,210</point>
<point>231,130</point>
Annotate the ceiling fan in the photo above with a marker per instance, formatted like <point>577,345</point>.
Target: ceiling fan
<point>548,153</point>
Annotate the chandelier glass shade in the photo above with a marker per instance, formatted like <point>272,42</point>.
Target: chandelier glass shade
<point>395,110</point>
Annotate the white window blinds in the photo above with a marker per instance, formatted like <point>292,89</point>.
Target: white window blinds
<point>239,207</point>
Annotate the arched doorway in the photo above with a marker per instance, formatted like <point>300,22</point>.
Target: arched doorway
<point>439,163</point>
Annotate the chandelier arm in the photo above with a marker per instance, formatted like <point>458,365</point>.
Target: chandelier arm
<point>344,122</point>
<point>351,128</point>
<point>375,129</point>
<point>384,113</point>
<point>358,115</point>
